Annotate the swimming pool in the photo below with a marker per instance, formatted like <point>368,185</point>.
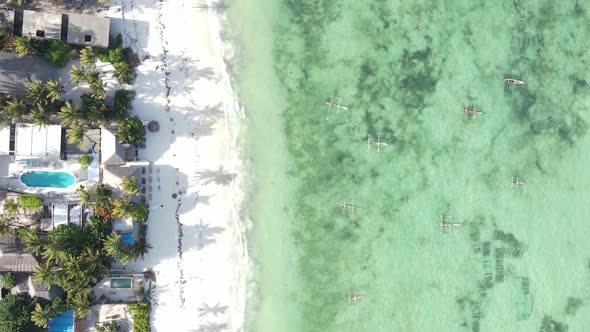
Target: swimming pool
<point>128,239</point>
<point>121,282</point>
<point>48,179</point>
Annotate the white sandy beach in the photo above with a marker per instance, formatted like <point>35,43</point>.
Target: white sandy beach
<point>199,258</point>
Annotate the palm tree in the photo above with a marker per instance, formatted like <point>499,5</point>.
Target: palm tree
<point>23,45</point>
<point>127,255</point>
<point>87,57</point>
<point>77,74</point>
<point>76,134</point>
<point>113,245</point>
<point>10,206</point>
<point>39,116</point>
<point>85,196</point>
<point>32,242</point>
<point>94,262</point>
<point>35,93</point>
<point>141,248</point>
<point>129,186</point>
<point>44,274</point>
<point>79,300</point>
<point>54,90</point>
<point>123,208</point>
<point>40,315</point>
<point>93,77</point>
<point>53,252</point>
<point>15,109</point>
<point>70,115</point>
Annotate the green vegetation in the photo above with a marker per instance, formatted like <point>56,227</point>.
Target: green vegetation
<point>120,58</point>
<point>30,202</point>
<point>141,316</point>
<point>59,53</point>
<point>85,161</point>
<point>56,51</point>
<point>43,312</point>
<point>10,206</point>
<point>129,186</point>
<point>40,315</point>
<point>15,314</point>
<point>87,57</point>
<point>40,102</point>
<point>122,103</point>
<point>23,45</point>
<point>8,281</point>
<point>74,258</point>
<point>131,131</point>
<point>112,326</point>
<point>78,74</point>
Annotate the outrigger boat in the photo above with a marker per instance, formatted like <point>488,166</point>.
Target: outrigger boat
<point>513,81</point>
<point>471,111</point>
<point>517,182</point>
<point>349,207</point>
<point>378,144</point>
<point>353,298</point>
<point>446,224</point>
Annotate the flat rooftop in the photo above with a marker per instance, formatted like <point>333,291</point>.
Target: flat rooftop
<point>88,30</point>
<point>41,24</point>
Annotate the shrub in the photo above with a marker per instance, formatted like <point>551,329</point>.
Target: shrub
<point>59,53</point>
<point>8,281</point>
<point>15,314</point>
<point>112,326</point>
<point>30,202</point>
<point>122,103</point>
<point>123,72</point>
<point>22,45</point>
<point>85,161</point>
<point>141,316</point>
<point>140,212</point>
<point>131,130</point>
<point>120,58</point>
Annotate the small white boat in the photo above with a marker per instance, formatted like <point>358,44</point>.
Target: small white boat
<point>513,81</point>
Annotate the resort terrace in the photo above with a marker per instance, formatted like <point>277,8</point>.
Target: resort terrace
<point>31,160</point>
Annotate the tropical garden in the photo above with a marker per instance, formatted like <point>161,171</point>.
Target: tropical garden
<point>73,258</point>
<point>76,258</point>
<point>43,102</point>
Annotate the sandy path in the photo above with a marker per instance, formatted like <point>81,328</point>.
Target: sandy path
<point>199,251</point>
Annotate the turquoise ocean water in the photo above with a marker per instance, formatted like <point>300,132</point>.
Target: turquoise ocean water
<point>520,259</point>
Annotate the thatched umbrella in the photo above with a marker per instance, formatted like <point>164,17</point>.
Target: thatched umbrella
<point>153,126</point>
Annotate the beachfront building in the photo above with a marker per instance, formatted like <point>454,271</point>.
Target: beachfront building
<point>118,161</point>
<point>25,145</point>
<point>88,30</point>
<point>22,265</point>
<point>41,25</point>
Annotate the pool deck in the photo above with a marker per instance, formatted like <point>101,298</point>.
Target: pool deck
<point>123,295</point>
<point>13,182</point>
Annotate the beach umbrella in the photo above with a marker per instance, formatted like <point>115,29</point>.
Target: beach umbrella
<point>153,126</point>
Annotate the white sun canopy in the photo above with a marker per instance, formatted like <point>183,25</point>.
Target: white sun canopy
<point>4,140</point>
<point>76,215</point>
<point>60,214</point>
<point>37,141</point>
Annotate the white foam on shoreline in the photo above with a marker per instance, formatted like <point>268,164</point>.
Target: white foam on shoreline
<point>200,286</point>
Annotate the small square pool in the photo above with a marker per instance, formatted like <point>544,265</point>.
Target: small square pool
<point>128,239</point>
<point>121,282</point>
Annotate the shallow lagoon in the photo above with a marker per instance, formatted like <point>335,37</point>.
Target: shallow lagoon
<point>520,261</point>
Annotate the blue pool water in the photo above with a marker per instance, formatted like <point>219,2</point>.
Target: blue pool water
<point>62,323</point>
<point>121,282</point>
<point>128,239</point>
<point>47,179</point>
